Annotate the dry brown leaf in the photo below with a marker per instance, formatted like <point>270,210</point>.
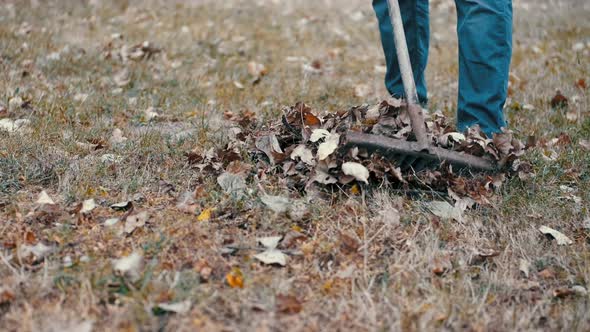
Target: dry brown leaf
<point>269,145</point>
<point>288,304</point>
<point>135,221</point>
<point>6,296</point>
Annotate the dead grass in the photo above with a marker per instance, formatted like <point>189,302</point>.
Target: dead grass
<point>357,270</point>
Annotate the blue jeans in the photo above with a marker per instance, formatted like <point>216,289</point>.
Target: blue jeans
<point>484,29</point>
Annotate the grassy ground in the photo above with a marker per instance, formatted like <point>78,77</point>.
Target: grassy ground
<point>71,70</point>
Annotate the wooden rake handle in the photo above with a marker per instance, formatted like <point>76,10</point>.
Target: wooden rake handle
<point>405,66</point>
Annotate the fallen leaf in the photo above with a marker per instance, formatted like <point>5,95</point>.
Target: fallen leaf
<point>87,206</point>
<point>358,171</point>
<point>323,177</point>
<point>14,126</point>
<point>483,255</point>
<point>238,85</point>
<point>150,113</point>
<point>346,273</point>
<point>272,256</point>
<point>312,68</point>
<point>122,78</point>
<point>80,97</point>
<point>270,242</point>
<point>558,236</point>
<point>563,292</point>
<point>580,290</point>
<point>524,267</point>
<point>328,146</point>
<point>256,69</point>
<point>178,307</point>
<point>318,134</point>
<point>44,198</point>
<point>15,103</point>
<point>87,146</point>
<point>269,145</point>
<point>186,202</point>
<point>585,144</point>
<point>288,304</point>
<point>441,264</point>
<point>278,204</point>
<point>559,100</point>
<point>39,251</point>
<point>136,220</point>
<point>445,210</point>
<point>348,244</point>
<point>309,119</point>
<point>205,215</point>
<point>304,154</point>
<point>232,184</point>
<point>117,137</point>
<point>449,138</point>
<point>355,189</point>
<point>571,116</point>
<point>297,211</point>
<point>122,206</point>
<point>6,296</point>
<point>235,278</point>
<point>547,273</point>
<point>129,266</point>
<point>373,112</point>
<point>111,222</point>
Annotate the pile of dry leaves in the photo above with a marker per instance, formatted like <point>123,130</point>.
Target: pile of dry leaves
<point>306,150</point>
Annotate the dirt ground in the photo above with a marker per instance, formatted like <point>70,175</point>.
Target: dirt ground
<point>116,102</point>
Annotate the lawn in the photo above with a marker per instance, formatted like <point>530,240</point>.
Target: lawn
<point>132,196</point>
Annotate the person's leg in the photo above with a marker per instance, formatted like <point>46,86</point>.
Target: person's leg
<point>417,30</point>
<point>484,28</point>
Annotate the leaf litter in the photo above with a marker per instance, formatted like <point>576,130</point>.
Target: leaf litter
<point>308,149</point>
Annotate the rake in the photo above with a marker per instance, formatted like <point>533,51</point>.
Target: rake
<point>420,154</point>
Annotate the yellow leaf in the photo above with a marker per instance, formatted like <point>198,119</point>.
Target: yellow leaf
<point>327,287</point>
<point>235,278</point>
<point>355,190</point>
<point>296,228</point>
<point>205,215</point>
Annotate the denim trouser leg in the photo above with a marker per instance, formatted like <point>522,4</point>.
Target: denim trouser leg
<point>484,28</point>
<point>416,27</point>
